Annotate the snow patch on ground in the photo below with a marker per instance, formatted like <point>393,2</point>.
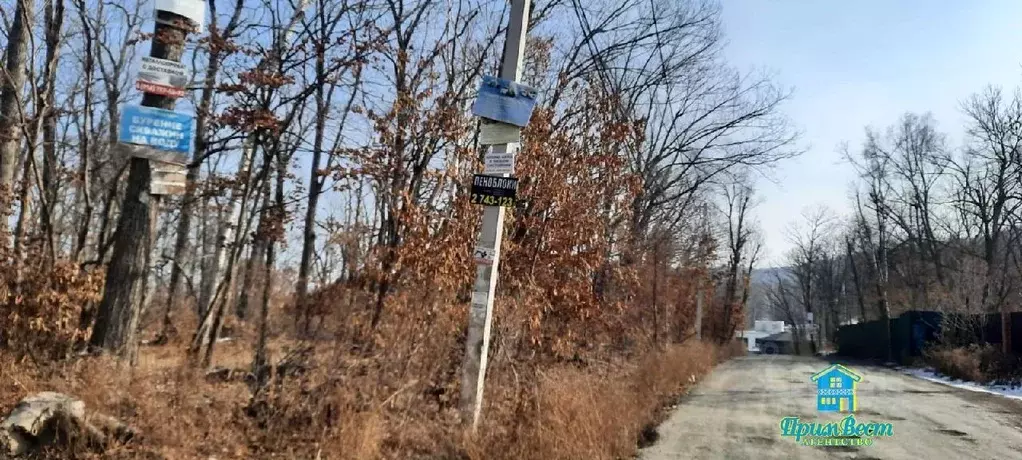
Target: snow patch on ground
<point>1001,390</point>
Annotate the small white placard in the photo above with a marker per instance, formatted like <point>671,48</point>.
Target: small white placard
<point>483,255</point>
<point>499,163</point>
<point>167,178</point>
<point>491,133</point>
<point>191,9</point>
<point>163,72</point>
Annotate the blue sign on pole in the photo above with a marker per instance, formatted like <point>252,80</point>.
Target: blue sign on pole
<point>157,128</point>
<point>505,101</point>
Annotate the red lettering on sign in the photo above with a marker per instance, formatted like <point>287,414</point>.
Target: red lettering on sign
<point>161,90</point>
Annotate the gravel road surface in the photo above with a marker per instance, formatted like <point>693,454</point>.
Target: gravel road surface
<point>735,413</point>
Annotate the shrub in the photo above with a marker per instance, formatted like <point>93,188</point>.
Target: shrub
<point>965,363</point>
<point>41,304</point>
<point>591,412</point>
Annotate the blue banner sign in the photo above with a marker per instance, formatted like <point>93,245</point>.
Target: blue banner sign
<point>505,101</point>
<point>157,128</point>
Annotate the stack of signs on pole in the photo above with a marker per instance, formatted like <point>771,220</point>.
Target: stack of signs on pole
<point>505,107</point>
<point>163,77</point>
<point>163,136</point>
<point>494,190</point>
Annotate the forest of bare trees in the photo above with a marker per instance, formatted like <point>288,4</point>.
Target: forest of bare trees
<point>324,239</point>
<point>934,227</point>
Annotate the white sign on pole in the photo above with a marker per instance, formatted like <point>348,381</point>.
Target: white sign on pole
<point>195,10</point>
<point>491,133</point>
<point>809,317</point>
<point>167,178</point>
<point>484,255</point>
<point>499,163</point>
<point>162,77</point>
<point>163,71</point>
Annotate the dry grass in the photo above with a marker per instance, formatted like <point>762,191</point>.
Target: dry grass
<point>597,411</point>
<point>959,362</point>
<point>976,363</point>
<point>593,412</point>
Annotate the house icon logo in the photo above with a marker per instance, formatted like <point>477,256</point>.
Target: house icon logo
<point>835,389</point>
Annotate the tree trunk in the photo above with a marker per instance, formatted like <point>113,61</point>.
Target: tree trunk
<point>85,138</point>
<point>261,360</point>
<point>258,254</point>
<point>126,279</point>
<point>11,111</point>
<point>54,22</point>
<point>182,242</point>
<point>127,275</point>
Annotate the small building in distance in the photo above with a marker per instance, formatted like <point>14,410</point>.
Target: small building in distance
<point>760,330</point>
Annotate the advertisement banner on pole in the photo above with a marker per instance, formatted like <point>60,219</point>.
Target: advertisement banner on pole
<point>162,77</point>
<point>483,255</point>
<point>158,128</point>
<point>505,101</point>
<point>161,90</point>
<point>492,133</point>
<point>499,163</point>
<point>163,72</point>
<point>494,190</point>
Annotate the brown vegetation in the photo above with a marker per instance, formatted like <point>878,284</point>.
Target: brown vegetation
<point>307,296</point>
<point>976,363</point>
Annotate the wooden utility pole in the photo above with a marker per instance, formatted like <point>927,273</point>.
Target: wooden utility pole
<point>128,272</point>
<point>477,343</point>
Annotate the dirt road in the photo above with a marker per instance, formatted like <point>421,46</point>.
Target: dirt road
<point>736,413</point>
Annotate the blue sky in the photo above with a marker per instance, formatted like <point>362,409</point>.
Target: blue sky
<point>866,62</point>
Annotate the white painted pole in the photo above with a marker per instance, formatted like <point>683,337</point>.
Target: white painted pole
<point>477,343</point>
<point>699,313</point>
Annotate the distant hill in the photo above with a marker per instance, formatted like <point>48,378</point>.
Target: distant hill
<point>759,281</point>
<point>766,276</point>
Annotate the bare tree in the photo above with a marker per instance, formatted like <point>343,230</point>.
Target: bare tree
<point>783,299</point>
<point>811,242</point>
<point>989,184</point>
<point>738,198</point>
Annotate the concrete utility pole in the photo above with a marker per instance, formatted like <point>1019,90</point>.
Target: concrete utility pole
<point>128,273</point>
<point>699,313</point>
<point>477,344</point>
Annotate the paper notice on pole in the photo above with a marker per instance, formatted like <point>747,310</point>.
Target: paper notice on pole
<point>505,101</point>
<point>499,163</point>
<point>479,298</point>
<point>163,72</point>
<point>491,133</point>
<point>191,9</point>
<point>483,255</point>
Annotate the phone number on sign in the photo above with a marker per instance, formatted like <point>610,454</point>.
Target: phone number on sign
<point>490,200</point>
